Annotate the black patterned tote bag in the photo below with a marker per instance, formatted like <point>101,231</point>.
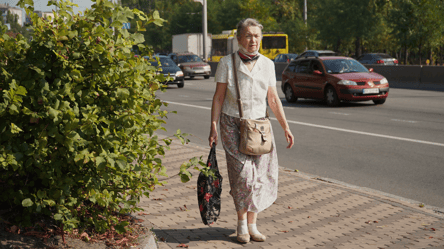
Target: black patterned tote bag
<point>209,190</point>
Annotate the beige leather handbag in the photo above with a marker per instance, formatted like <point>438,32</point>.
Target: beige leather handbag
<point>255,135</point>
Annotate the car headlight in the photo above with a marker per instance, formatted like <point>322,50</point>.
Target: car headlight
<point>186,68</point>
<point>384,81</point>
<point>347,83</point>
<point>207,68</point>
<point>179,74</point>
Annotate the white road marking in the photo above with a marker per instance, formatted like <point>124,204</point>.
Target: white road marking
<point>333,128</point>
<point>340,113</point>
<point>405,121</point>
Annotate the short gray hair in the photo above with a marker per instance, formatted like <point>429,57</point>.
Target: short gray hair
<point>243,24</point>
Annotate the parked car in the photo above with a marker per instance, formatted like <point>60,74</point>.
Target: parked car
<point>191,65</point>
<point>285,57</point>
<point>169,68</point>
<point>377,58</point>
<point>317,53</point>
<point>333,79</point>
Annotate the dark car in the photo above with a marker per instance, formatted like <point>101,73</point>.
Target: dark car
<point>285,57</point>
<point>317,53</point>
<point>377,58</point>
<point>191,65</point>
<point>169,68</point>
<point>333,79</point>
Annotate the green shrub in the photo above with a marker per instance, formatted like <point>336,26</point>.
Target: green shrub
<point>78,114</point>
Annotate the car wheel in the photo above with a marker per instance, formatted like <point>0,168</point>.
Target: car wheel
<point>289,94</point>
<point>181,84</point>
<point>379,101</point>
<point>207,76</point>
<point>331,98</point>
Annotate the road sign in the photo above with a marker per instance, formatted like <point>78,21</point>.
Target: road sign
<point>126,25</point>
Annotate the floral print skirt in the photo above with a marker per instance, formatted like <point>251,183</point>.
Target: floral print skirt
<point>253,179</point>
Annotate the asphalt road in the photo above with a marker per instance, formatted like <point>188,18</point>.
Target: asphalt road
<point>396,148</point>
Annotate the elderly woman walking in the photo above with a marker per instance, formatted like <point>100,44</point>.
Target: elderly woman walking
<point>253,179</point>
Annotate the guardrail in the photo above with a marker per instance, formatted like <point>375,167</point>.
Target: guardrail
<point>408,77</point>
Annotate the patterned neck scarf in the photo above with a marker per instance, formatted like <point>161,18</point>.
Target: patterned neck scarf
<point>246,57</point>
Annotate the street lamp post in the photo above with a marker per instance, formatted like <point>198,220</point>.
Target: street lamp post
<point>204,27</point>
<point>305,21</point>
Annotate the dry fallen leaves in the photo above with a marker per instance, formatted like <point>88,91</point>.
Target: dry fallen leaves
<point>284,231</point>
<point>182,245</point>
<point>369,221</point>
<point>14,229</point>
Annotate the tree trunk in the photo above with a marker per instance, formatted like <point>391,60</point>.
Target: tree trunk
<point>406,54</point>
<point>338,45</point>
<point>430,56</point>
<point>440,55</point>
<point>358,47</point>
<point>420,51</point>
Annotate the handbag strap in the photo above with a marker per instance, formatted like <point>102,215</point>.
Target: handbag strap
<point>213,152</point>
<point>239,101</point>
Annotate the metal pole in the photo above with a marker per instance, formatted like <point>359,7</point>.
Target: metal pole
<point>204,28</point>
<point>305,21</point>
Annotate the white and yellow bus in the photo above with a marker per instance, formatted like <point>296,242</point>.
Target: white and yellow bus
<point>226,43</point>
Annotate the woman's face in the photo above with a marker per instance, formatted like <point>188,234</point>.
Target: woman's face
<point>251,38</point>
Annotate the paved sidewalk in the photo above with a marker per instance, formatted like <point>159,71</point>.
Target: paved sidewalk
<point>307,214</point>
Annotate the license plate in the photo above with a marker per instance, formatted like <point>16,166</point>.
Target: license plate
<point>370,90</point>
<point>199,71</point>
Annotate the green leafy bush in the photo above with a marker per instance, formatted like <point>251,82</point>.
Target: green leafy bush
<point>78,113</point>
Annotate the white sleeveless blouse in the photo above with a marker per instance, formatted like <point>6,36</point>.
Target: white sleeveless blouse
<point>253,85</point>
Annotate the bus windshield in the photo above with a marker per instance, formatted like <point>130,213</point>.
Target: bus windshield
<point>219,47</point>
<point>274,42</point>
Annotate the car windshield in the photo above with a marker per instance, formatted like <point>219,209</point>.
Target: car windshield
<point>189,58</point>
<point>344,66</point>
<point>165,62</point>
<point>326,54</point>
<point>385,56</point>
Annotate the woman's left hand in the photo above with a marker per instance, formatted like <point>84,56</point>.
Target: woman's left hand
<point>290,138</point>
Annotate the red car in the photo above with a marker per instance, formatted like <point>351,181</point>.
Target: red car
<point>333,79</point>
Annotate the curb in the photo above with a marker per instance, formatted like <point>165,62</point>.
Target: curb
<point>149,242</point>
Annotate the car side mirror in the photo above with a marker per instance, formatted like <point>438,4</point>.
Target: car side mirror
<point>370,70</point>
<point>317,72</point>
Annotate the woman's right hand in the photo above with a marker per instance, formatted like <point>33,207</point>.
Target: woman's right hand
<point>213,136</point>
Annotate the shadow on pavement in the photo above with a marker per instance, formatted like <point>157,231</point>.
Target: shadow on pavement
<point>199,234</point>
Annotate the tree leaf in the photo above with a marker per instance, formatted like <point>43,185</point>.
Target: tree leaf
<point>27,202</point>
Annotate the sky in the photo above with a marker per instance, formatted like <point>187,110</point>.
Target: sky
<point>42,4</point>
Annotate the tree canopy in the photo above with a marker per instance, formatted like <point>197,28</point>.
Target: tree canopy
<point>347,26</point>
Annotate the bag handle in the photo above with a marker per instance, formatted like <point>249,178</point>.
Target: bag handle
<point>239,101</point>
<point>213,152</point>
